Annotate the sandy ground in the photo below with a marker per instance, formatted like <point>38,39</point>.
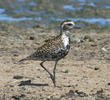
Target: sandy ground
<point>84,74</point>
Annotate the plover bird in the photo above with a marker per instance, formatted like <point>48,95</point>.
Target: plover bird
<point>54,49</point>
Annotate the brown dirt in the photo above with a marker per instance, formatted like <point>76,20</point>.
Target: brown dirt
<point>82,75</point>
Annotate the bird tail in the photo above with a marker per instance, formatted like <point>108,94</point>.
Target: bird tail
<point>24,59</point>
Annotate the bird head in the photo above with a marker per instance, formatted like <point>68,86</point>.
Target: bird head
<point>67,25</point>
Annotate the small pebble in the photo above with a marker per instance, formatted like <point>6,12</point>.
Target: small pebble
<point>80,93</point>
<point>32,38</point>
<point>36,26</point>
<point>103,49</point>
<point>17,77</point>
<point>66,71</point>
<point>96,68</point>
<point>108,83</point>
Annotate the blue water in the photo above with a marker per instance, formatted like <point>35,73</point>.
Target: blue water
<point>102,21</point>
<point>47,18</point>
<point>71,7</point>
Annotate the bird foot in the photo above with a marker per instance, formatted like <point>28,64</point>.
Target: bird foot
<point>53,80</point>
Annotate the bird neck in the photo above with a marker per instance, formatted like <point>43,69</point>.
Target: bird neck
<point>66,32</point>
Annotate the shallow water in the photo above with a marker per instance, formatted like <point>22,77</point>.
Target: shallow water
<point>54,10</point>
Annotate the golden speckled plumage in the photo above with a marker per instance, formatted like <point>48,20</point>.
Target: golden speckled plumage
<point>52,50</point>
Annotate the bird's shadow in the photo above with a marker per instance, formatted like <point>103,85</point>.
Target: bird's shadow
<point>28,82</point>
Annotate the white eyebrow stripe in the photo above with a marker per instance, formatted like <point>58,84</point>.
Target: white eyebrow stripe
<point>67,23</point>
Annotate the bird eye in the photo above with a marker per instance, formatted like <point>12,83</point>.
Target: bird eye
<point>70,24</point>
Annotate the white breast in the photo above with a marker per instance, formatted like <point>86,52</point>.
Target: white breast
<point>65,40</point>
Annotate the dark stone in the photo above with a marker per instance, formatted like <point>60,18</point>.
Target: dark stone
<point>15,97</point>
<point>71,94</point>
<point>66,71</point>
<point>80,93</point>
<point>17,77</point>
<point>36,26</point>
<point>108,83</point>
<point>99,91</point>
<point>96,68</point>
<point>18,97</point>
<point>31,38</point>
<point>15,54</point>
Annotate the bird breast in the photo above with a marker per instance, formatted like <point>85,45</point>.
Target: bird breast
<point>65,40</point>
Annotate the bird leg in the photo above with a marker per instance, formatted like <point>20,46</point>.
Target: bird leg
<point>51,76</point>
<point>54,72</point>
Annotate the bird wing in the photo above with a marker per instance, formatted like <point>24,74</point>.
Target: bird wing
<point>49,50</point>
<point>53,49</point>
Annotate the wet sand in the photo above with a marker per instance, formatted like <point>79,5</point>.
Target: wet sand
<point>82,75</point>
